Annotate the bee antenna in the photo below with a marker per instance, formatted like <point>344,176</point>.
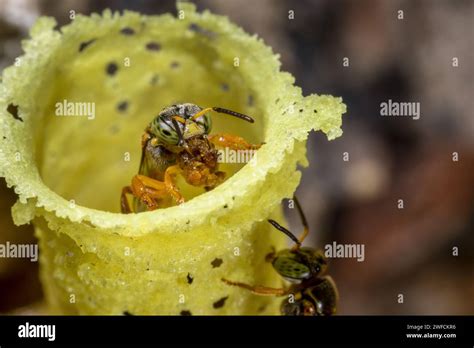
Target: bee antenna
<point>285,231</point>
<point>233,113</point>
<point>303,220</point>
<point>300,212</point>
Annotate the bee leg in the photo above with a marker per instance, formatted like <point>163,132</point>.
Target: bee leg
<point>148,190</point>
<point>124,204</point>
<point>233,142</point>
<point>257,289</point>
<point>170,175</point>
<point>214,179</point>
<point>140,191</point>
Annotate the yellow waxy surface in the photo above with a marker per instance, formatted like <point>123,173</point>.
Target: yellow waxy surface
<point>68,171</point>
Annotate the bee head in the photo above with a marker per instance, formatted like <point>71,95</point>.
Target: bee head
<point>302,264</point>
<point>178,123</point>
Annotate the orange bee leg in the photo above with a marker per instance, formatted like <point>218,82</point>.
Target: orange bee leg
<point>214,180</point>
<point>148,190</point>
<point>124,205</point>
<point>202,176</point>
<point>146,194</point>
<point>258,290</point>
<point>233,142</point>
<point>170,175</point>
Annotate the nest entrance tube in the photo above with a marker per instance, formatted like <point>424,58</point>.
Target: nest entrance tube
<point>114,73</point>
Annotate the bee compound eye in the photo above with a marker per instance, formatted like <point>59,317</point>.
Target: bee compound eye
<point>166,133</point>
<point>205,121</point>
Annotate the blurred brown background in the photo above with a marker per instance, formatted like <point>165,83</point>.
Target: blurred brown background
<point>407,251</point>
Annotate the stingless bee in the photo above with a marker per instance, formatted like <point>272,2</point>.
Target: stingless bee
<point>177,141</point>
<point>312,293</point>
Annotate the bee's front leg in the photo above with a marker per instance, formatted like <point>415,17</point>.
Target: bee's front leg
<point>213,180</point>
<point>233,142</point>
<point>170,176</point>
<point>200,175</point>
<point>149,191</point>
<point>138,189</point>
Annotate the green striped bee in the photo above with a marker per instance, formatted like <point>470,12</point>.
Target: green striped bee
<point>178,142</point>
<point>311,293</point>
